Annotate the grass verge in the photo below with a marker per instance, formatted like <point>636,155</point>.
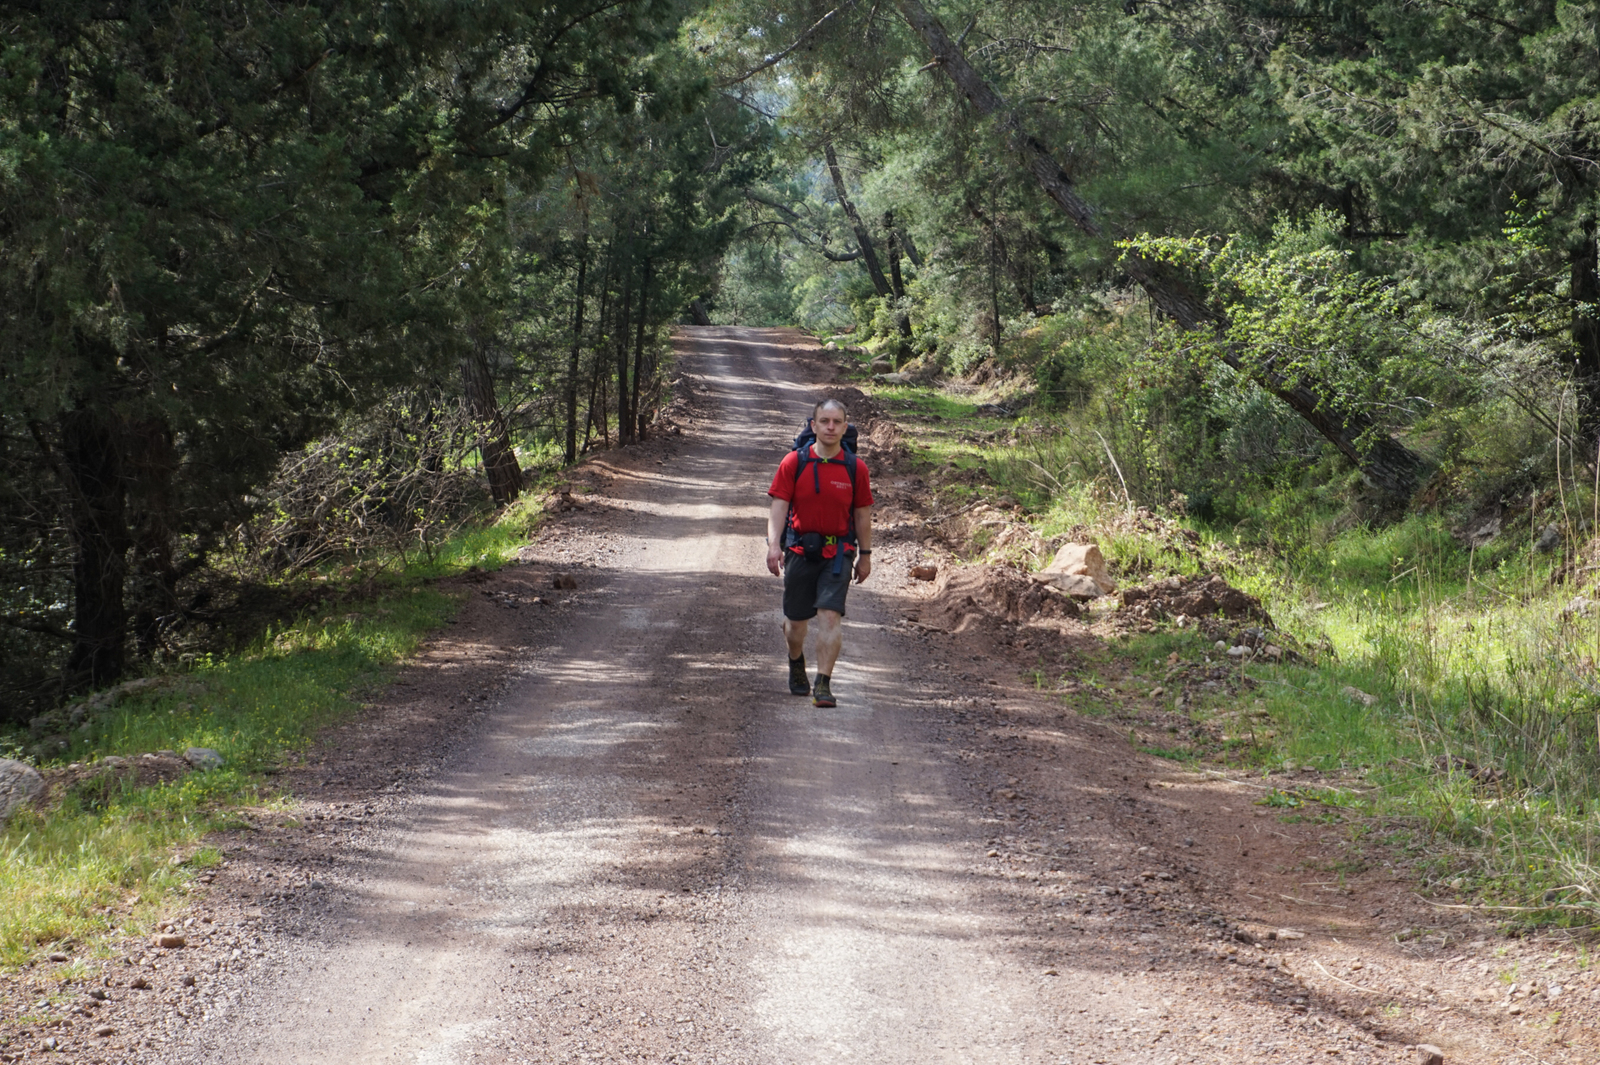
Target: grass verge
<point>1460,687</point>
<point>108,853</point>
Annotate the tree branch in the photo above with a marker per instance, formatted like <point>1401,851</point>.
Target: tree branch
<point>783,209</point>
<point>774,60</point>
<point>541,72</point>
<point>863,238</point>
<point>789,221</point>
<point>34,623</point>
<point>1478,13</point>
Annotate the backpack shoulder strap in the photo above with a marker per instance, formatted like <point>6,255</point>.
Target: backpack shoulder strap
<point>847,459</point>
<point>805,456</point>
<point>850,466</point>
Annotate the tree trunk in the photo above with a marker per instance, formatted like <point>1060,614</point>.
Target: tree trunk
<point>1386,464</point>
<point>909,246</point>
<point>494,437</point>
<point>431,445</point>
<point>598,418</point>
<point>638,349</point>
<point>897,284</point>
<point>994,287</point>
<point>863,239</point>
<point>1018,281</point>
<point>1585,294</point>
<point>605,419</point>
<point>624,420</point>
<point>572,356</point>
<point>149,463</point>
<point>91,459</point>
<point>594,387</point>
<point>697,311</point>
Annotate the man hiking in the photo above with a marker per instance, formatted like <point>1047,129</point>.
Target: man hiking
<point>819,532</point>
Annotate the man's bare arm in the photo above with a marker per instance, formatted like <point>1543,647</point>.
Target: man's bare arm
<point>864,542</point>
<point>864,527</point>
<point>777,518</point>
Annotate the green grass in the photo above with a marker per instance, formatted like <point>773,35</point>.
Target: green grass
<point>256,706</point>
<point>69,872</point>
<point>488,546</point>
<point>1466,657</point>
<point>1176,754</point>
<point>110,855</point>
<point>1460,673</point>
<point>1480,672</point>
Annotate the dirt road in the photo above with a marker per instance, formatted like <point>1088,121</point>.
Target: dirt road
<point>644,849</point>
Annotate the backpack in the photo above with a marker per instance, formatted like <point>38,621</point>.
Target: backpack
<point>847,455</point>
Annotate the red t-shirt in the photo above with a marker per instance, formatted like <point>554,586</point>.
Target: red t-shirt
<point>827,512</point>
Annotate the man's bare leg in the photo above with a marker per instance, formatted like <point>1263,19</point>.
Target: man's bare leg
<point>830,638</point>
<point>794,634</point>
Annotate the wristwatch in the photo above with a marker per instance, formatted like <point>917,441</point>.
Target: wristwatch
<point>863,551</point>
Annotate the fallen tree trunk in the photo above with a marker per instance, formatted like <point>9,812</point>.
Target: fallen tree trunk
<point>1387,465</point>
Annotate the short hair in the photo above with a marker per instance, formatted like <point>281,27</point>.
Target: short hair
<point>837,404</point>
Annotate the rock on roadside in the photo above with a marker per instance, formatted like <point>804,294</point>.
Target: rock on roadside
<point>1075,585</point>
<point>20,784</point>
<point>203,758</point>
<point>1079,570</point>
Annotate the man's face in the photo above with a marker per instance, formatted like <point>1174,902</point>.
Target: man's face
<point>829,424</point>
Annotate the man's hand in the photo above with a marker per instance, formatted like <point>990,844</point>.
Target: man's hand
<point>775,559</point>
<point>863,568</point>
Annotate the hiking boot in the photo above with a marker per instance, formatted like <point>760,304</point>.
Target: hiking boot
<point>798,685</point>
<point>822,694</point>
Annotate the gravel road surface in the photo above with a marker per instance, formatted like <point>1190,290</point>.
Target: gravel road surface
<point>645,850</point>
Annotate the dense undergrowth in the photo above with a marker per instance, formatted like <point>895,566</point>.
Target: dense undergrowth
<point>1453,687</point>
<point>107,853</point>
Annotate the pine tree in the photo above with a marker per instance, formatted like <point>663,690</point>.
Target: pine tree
<point>221,226</point>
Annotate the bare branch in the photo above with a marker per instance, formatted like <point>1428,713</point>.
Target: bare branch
<point>775,59</point>
<point>34,623</point>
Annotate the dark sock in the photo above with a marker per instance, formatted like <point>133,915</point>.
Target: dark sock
<point>801,662</point>
<point>823,676</point>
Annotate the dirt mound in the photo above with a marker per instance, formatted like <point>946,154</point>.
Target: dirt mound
<point>1192,597</point>
<point>96,781</point>
<point>862,407</point>
<point>880,435</point>
<point>980,531</point>
<point>972,593</point>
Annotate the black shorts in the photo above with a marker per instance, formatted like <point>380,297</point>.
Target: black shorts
<point>812,586</point>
